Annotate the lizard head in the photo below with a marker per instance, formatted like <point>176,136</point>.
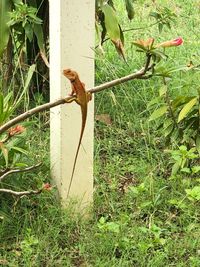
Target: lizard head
<point>70,74</point>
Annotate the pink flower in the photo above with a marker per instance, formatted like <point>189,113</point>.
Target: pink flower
<point>175,42</point>
<point>16,130</point>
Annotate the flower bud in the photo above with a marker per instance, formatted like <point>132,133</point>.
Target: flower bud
<point>175,42</point>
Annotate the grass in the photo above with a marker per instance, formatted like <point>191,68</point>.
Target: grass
<point>141,216</point>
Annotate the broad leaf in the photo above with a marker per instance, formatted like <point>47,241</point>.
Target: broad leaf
<point>158,113</point>
<point>154,101</point>
<point>175,168</point>
<point>113,29</point>
<point>5,7</point>
<point>111,23</point>
<point>180,100</point>
<point>187,108</point>
<point>39,35</point>
<point>168,127</point>
<point>130,9</point>
<point>168,130</point>
<point>29,31</point>
<point>20,150</point>
<point>162,90</point>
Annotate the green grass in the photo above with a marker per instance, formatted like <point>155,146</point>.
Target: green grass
<point>140,216</point>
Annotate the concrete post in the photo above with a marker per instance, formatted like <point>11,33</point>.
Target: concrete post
<point>71,46</point>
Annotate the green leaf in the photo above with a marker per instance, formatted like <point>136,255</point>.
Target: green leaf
<point>195,169</point>
<point>175,168</point>
<point>29,31</point>
<point>39,35</point>
<point>198,143</point>
<point>168,130</point>
<point>186,170</point>
<point>5,8</point>
<point>113,227</point>
<point>158,113</point>
<point>162,90</point>
<point>113,29</point>
<point>6,107</point>
<point>8,98</point>
<point>194,193</point>
<point>130,9</point>
<point>168,127</point>
<point>20,150</point>
<point>4,152</point>
<point>179,101</point>
<point>111,22</point>
<point>21,165</point>
<point>167,123</point>
<point>187,108</point>
<point>17,2</point>
<point>154,101</point>
<point>27,83</point>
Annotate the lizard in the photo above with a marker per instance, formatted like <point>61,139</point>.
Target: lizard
<point>81,97</point>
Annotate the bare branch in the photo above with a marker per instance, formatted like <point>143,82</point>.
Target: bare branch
<point>22,193</point>
<point>19,170</point>
<point>137,75</point>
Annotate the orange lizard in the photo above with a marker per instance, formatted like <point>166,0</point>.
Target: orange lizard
<point>81,97</point>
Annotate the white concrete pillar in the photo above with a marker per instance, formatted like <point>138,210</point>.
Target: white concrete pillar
<point>71,46</point>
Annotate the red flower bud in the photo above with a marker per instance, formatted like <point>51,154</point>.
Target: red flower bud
<point>175,42</point>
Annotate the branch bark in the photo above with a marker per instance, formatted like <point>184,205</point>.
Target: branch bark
<point>21,193</point>
<point>140,74</point>
<point>19,170</point>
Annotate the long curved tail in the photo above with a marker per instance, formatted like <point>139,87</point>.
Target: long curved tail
<point>84,117</point>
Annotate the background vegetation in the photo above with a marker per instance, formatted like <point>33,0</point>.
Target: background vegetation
<point>147,192</point>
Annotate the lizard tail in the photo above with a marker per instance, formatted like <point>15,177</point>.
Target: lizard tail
<point>84,116</point>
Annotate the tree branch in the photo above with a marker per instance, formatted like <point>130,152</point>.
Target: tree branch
<point>19,170</point>
<point>22,193</point>
<point>137,75</point>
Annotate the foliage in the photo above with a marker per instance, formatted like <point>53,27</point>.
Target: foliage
<point>24,23</point>
<point>107,18</point>
<point>26,38</point>
<point>194,193</point>
<point>178,118</point>
<point>164,17</point>
<point>182,160</point>
<point>141,216</point>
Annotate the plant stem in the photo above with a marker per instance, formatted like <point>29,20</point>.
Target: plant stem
<point>170,106</point>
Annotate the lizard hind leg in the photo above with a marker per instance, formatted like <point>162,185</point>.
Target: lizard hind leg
<point>70,100</point>
<point>89,96</point>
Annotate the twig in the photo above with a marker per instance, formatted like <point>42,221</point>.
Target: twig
<point>8,172</point>
<point>31,112</point>
<point>22,193</point>
<point>140,28</point>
